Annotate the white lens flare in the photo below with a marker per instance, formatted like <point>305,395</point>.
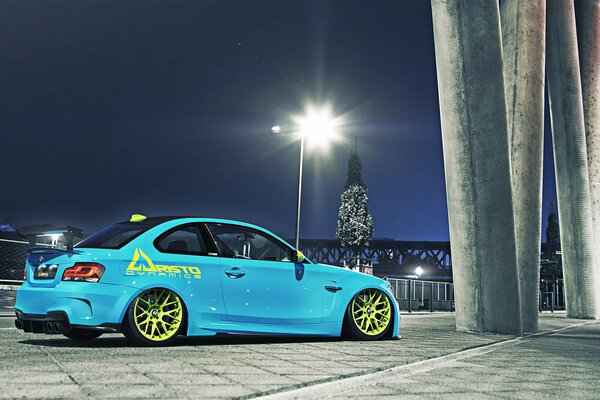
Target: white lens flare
<point>318,126</point>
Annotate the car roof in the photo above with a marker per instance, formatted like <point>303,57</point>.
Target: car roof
<point>154,221</point>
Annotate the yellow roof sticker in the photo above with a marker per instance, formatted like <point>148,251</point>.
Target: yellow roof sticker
<point>137,218</point>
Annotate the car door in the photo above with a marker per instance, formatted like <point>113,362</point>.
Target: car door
<point>261,284</point>
<point>186,257</point>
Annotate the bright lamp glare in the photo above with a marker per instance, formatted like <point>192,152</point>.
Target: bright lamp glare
<point>318,125</point>
<point>419,271</point>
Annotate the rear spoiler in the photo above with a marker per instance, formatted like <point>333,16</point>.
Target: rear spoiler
<point>41,255</point>
<point>68,232</point>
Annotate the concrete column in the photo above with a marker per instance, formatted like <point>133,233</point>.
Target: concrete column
<point>523,42</point>
<point>476,160</point>
<point>570,160</point>
<point>587,14</point>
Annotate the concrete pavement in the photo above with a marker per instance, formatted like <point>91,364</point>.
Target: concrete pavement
<point>36,366</point>
<point>557,364</point>
<point>7,300</point>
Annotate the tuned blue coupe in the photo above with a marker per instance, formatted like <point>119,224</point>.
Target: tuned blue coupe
<point>156,278</point>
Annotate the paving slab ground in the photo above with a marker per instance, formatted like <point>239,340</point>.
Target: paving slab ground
<point>562,363</point>
<point>38,366</point>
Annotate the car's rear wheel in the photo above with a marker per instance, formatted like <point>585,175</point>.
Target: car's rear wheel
<point>154,318</point>
<point>369,315</point>
<point>82,334</point>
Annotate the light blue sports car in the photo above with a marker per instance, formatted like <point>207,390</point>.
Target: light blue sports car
<point>156,278</point>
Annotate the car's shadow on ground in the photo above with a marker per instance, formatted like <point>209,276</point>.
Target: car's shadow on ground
<point>115,341</point>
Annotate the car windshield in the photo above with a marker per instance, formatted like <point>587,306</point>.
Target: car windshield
<point>115,236</point>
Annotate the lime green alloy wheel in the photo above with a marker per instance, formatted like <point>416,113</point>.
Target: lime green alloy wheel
<point>371,313</point>
<point>155,317</point>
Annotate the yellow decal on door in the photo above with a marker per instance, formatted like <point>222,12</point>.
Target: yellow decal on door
<point>145,266</point>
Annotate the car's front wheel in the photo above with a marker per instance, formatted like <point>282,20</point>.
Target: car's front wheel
<point>369,315</point>
<point>82,334</point>
<point>154,318</point>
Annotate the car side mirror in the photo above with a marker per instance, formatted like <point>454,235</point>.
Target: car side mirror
<point>297,256</point>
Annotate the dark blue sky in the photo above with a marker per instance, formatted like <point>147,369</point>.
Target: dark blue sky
<point>111,108</point>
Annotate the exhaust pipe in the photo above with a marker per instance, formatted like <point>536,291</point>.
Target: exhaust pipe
<point>18,324</point>
<point>53,327</point>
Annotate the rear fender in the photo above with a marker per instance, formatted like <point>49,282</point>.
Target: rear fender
<point>159,286</point>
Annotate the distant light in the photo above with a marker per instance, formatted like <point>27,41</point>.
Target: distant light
<point>53,236</point>
<point>276,129</point>
<point>318,125</point>
<point>419,271</point>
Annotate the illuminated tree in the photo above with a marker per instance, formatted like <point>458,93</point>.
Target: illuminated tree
<point>355,223</point>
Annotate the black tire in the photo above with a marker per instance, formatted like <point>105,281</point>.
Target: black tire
<point>380,319</point>
<point>133,331</point>
<point>82,334</point>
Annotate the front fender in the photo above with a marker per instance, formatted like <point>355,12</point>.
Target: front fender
<point>346,298</point>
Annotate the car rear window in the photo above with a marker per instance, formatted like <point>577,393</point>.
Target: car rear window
<point>115,236</point>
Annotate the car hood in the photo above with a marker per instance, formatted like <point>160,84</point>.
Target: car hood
<point>349,272</point>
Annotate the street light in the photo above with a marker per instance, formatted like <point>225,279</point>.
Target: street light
<point>419,271</point>
<point>319,126</point>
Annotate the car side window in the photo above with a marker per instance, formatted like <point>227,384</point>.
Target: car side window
<point>185,240</point>
<point>241,242</point>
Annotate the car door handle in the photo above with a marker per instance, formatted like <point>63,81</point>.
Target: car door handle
<point>333,288</point>
<point>235,273</point>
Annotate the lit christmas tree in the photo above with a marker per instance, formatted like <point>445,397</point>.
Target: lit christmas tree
<point>355,223</point>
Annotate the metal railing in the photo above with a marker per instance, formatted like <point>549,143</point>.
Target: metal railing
<point>552,295</point>
<point>411,294</point>
<point>13,254</point>
<point>420,295</point>
<point>414,295</point>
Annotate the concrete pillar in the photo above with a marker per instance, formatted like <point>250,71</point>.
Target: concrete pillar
<point>570,160</point>
<point>523,43</point>
<point>587,14</point>
<point>476,160</point>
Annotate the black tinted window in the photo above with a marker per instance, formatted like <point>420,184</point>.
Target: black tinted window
<point>241,242</point>
<point>185,240</point>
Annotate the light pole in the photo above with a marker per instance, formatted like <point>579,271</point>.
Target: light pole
<point>299,192</point>
<point>318,125</point>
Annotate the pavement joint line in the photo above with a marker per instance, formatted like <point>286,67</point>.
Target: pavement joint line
<point>130,365</point>
<point>60,367</point>
<point>336,386</point>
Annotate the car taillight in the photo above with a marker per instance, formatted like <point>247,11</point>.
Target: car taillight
<point>84,272</point>
<point>25,273</point>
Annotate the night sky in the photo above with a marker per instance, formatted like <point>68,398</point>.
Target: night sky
<point>111,108</point>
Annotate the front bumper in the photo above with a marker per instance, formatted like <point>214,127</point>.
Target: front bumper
<point>72,305</point>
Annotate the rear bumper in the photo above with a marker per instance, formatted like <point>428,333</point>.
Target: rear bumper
<point>73,305</point>
<point>56,322</point>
